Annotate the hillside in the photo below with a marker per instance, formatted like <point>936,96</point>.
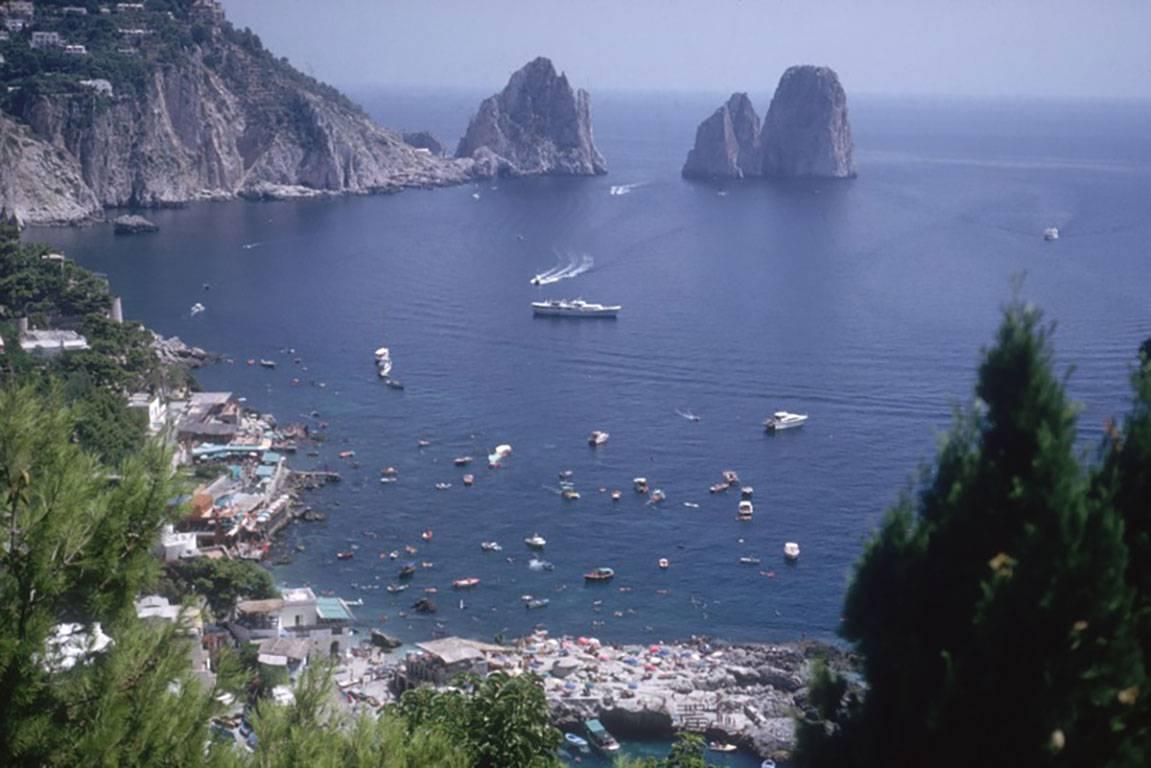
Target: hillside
<point>163,102</point>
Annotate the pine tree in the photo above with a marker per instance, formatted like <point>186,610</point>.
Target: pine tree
<point>992,610</point>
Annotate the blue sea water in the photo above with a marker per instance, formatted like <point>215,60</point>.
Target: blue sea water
<point>864,303</point>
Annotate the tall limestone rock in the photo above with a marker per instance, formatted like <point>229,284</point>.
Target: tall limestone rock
<point>806,132</point>
<point>535,125</point>
<point>727,143</point>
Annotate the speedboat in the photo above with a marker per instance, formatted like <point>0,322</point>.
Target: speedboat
<point>657,496</point>
<point>538,602</point>
<point>345,555</point>
<point>397,588</point>
<point>749,560</point>
<point>569,494</point>
<point>535,541</point>
<point>491,546</point>
<point>574,308</point>
<point>719,488</point>
<point>730,477</point>
<point>597,437</point>
<point>1051,233</point>
<point>469,480</point>
<point>616,495</point>
<point>746,492</point>
<point>600,738</point>
<point>745,510</point>
<point>578,743</point>
<point>599,574</point>
<point>383,353</point>
<point>426,535</point>
<point>462,461</point>
<point>197,308</point>
<point>721,746</point>
<point>791,550</point>
<point>664,564</point>
<point>640,484</point>
<point>467,583</point>
<point>268,363</point>
<point>784,420</point>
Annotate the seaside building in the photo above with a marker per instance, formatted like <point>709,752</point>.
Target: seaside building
<point>441,661</point>
<point>205,416</point>
<point>153,406</point>
<point>298,614</point>
<point>176,545</point>
<point>51,342</point>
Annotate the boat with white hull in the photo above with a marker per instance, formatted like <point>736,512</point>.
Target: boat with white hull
<point>574,308</point>
<point>784,420</point>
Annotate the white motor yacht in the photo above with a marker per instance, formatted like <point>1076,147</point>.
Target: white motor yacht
<point>784,420</point>
<point>535,541</point>
<point>574,308</point>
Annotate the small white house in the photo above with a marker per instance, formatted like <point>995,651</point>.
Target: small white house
<point>42,39</point>
<point>153,406</point>
<point>76,50</point>
<point>48,343</point>
<point>175,546</point>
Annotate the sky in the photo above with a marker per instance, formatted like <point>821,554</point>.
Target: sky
<point>1027,48</point>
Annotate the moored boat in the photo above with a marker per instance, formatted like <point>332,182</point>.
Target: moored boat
<point>577,743</point>
<point>599,574</point>
<point>749,560</point>
<point>397,588</point>
<point>467,583</point>
<point>721,746</point>
<point>491,546</point>
<point>597,437</point>
<point>535,541</point>
<point>345,555</point>
<point>791,550</point>
<point>664,564</point>
<point>268,363</point>
<point>600,738</point>
<point>745,509</point>
<point>407,571</point>
<point>469,480</point>
<point>730,477</point>
<point>640,484</point>
<point>462,461</point>
<point>1051,233</point>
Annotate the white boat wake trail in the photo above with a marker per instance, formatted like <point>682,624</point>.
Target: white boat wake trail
<point>624,189</point>
<point>573,268</point>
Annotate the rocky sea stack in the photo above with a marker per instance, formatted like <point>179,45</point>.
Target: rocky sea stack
<point>805,134</point>
<point>727,143</point>
<point>535,125</point>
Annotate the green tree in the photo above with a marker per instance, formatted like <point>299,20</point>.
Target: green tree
<point>499,720</point>
<point>221,582</point>
<point>687,752</point>
<point>75,546</point>
<point>992,611</point>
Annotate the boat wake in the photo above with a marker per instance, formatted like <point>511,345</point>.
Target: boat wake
<point>688,415</point>
<point>250,246</point>
<point>624,189</point>
<point>574,268</point>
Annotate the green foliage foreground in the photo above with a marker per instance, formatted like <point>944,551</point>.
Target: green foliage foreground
<point>1000,612</point>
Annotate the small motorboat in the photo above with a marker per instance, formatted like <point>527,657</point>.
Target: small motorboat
<point>346,454</point>
<point>537,602</point>
<point>197,308</point>
<point>409,549</point>
<point>730,477</point>
<point>640,484</point>
<point>345,555</point>
<point>616,495</point>
<point>469,480</point>
<point>657,496</point>
<point>467,583</point>
<point>423,443</point>
<point>769,763</point>
<point>570,494</point>
<point>721,746</point>
<point>443,486</point>
<point>781,420</point>
<point>719,488</point>
<point>268,363</point>
<point>746,510</point>
<point>389,480</point>
<point>691,505</point>
<point>576,743</point>
<point>599,575</point>
<point>462,461</point>
<point>427,535</point>
<point>535,541</point>
<point>407,571</point>
<point>491,546</point>
<point>746,492</point>
<point>749,560</point>
<point>791,551</point>
<point>597,437</point>
<point>599,737</point>
<point>664,563</point>
<point>1051,233</point>
<point>383,353</point>
<point>389,472</point>
<point>397,588</point>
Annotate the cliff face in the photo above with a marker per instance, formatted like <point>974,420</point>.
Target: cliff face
<point>806,131</point>
<point>727,143</point>
<point>220,119</point>
<point>536,125</point>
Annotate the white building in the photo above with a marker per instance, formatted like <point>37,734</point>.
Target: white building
<point>48,343</point>
<point>153,406</point>
<point>21,8</point>
<point>298,613</point>
<point>177,546</point>
<point>76,50</point>
<point>42,39</point>
<point>14,25</point>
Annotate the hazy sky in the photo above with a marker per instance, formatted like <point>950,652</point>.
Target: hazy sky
<point>1040,48</point>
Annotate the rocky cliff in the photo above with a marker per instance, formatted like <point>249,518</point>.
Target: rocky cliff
<point>536,125</point>
<point>194,116</point>
<point>727,143</point>
<point>806,131</point>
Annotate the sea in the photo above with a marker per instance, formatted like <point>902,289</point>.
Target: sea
<point>863,303</point>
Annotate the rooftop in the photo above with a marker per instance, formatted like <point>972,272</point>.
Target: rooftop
<point>452,650</point>
<point>333,609</point>
<point>259,606</point>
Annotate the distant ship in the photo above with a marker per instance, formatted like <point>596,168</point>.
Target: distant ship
<point>574,308</point>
